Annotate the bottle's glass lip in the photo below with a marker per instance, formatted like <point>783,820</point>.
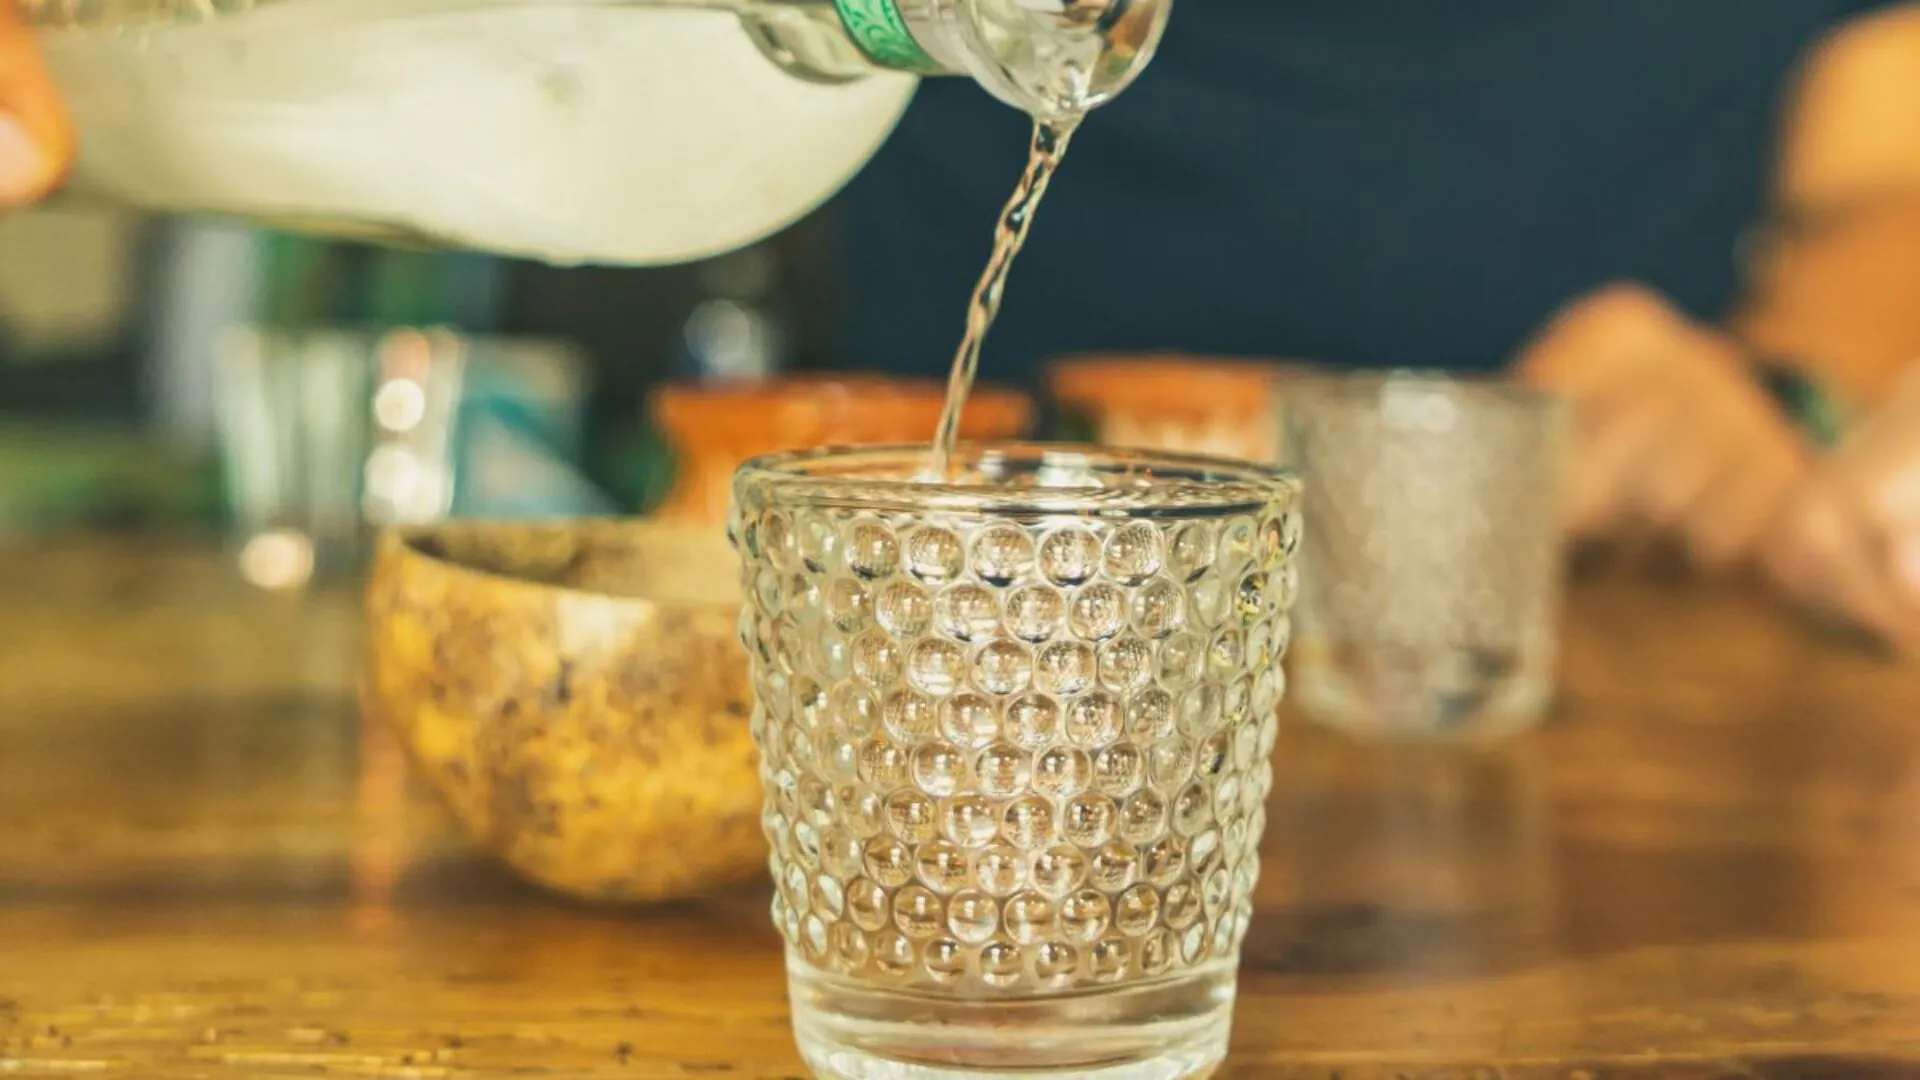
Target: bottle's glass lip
<point>1017,480</point>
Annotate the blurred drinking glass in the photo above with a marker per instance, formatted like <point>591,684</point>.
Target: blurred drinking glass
<point>326,434</point>
<point>1431,573</point>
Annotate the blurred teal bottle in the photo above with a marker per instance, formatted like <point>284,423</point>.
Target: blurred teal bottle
<point>518,442</point>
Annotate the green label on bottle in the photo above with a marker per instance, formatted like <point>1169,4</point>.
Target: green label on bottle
<point>882,34</point>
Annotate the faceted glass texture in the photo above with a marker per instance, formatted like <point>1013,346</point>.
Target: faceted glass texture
<point>1016,729</point>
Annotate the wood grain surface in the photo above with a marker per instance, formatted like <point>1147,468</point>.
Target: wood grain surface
<point>1707,866</point>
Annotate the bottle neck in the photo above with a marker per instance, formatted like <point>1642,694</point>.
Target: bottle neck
<point>904,35</point>
<point>1052,59</point>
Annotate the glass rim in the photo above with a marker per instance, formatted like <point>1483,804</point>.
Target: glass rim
<point>1480,386</point>
<point>1162,484</point>
<point>432,547</point>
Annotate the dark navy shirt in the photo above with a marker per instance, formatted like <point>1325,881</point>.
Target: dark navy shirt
<point>1405,183</point>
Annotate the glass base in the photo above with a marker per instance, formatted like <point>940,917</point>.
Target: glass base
<point>1169,1029</point>
<point>1447,695</point>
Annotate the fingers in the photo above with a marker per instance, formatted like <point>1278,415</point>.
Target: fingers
<point>1723,474</point>
<point>1708,469</point>
<point>1618,443</point>
<point>1834,562</point>
<point>1682,474</point>
<point>1858,523</point>
<point>36,137</point>
<point>1735,512</point>
<point>1894,519</point>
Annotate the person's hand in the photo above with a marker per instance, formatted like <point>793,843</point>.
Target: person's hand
<point>1848,544</point>
<point>36,140</point>
<point>1671,433</point>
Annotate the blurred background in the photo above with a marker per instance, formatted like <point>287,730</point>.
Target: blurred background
<point>131,396</point>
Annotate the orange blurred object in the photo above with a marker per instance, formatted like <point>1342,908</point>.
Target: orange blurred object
<point>715,428</point>
<point>1175,402</point>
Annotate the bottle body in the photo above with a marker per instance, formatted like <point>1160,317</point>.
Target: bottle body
<point>635,132</point>
<point>564,130</point>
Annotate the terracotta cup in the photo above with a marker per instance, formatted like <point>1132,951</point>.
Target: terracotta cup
<point>577,694</point>
<point>715,428</point>
<point>1174,402</point>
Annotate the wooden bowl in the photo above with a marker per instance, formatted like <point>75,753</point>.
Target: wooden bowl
<point>577,693</point>
<point>1173,402</point>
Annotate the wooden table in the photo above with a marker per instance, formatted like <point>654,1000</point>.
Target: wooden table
<point>1709,866</point>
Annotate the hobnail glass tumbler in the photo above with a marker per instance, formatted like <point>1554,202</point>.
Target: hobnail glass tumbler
<point>1015,732</point>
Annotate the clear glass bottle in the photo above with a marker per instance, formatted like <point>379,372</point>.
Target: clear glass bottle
<point>632,132</point>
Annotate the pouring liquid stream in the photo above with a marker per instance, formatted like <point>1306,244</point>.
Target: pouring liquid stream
<point>1050,140</point>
